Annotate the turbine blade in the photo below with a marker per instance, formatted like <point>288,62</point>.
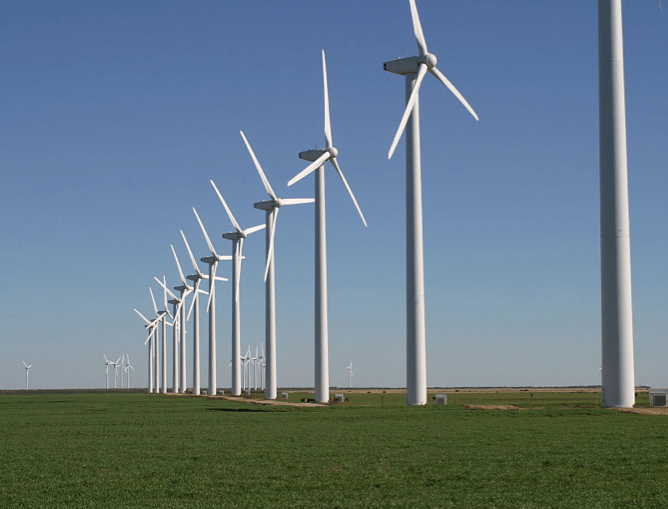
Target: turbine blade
<point>206,235</point>
<point>164,285</point>
<point>310,168</point>
<point>155,307</point>
<point>167,290</point>
<point>439,75</point>
<point>227,209</point>
<point>270,251</point>
<point>176,258</point>
<point>350,191</point>
<point>328,124</point>
<point>296,201</point>
<point>267,185</point>
<point>240,250</point>
<point>254,229</point>
<point>409,108</point>
<point>192,258</point>
<point>417,28</point>
<point>143,317</point>
<point>213,286</point>
<point>195,298</point>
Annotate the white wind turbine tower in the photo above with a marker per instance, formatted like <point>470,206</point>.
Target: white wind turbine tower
<point>350,372</point>
<point>107,363</point>
<point>152,326</point>
<point>319,157</point>
<point>185,289</point>
<point>617,372</point>
<point>213,261</point>
<point>161,359</point>
<point>415,69</point>
<point>271,207</point>
<point>196,279</point>
<point>179,310</point>
<point>127,368</point>
<point>118,361</point>
<point>237,237</point>
<point>27,369</point>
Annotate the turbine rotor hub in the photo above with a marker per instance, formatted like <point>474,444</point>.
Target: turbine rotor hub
<point>429,59</point>
<point>333,151</point>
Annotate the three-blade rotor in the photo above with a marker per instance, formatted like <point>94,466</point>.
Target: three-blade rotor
<point>426,62</point>
<point>217,258</point>
<point>239,236</point>
<point>329,153</point>
<point>275,204</point>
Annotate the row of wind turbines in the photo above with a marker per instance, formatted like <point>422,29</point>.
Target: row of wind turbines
<point>122,363</point>
<point>617,340</point>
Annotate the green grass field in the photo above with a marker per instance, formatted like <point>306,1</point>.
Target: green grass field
<point>140,450</point>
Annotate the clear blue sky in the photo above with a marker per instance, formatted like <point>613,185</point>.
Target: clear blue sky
<point>115,115</point>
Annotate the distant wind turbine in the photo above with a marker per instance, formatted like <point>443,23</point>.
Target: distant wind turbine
<point>350,370</point>
<point>319,157</point>
<point>150,340</point>
<point>127,369</point>
<point>196,279</point>
<point>415,69</point>
<point>107,363</point>
<point>27,369</point>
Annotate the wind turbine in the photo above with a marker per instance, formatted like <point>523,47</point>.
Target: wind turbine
<point>213,261</point>
<point>185,289</point>
<point>415,68</point>
<point>350,369</point>
<point>319,157</point>
<point>196,279</point>
<point>152,326</point>
<point>237,237</point>
<point>107,363</point>
<point>27,369</point>
<point>118,361</point>
<point>127,368</point>
<point>271,207</point>
<point>161,364</point>
<point>177,302</point>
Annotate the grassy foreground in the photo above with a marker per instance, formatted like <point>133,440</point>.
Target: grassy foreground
<point>140,450</point>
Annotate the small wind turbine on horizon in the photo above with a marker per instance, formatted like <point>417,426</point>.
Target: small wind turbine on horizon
<point>107,363</point>
<point>350,372</point>
<point>271,207</point>
<point>319,157</point>
<point>415,69</point>
<point>237,237</point>
<point>27,369</point>
<point>127,369</point>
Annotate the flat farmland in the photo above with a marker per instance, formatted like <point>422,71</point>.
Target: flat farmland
<point>522,449</point>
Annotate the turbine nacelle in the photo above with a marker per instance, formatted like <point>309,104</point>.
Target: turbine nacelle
<point>315,154</point>
<point>402,66</point>
<point>235,235</point>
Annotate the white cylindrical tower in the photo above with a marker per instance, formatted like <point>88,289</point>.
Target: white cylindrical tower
<point>618,376</point>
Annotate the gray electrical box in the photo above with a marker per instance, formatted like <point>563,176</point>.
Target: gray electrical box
<point>658,397</point>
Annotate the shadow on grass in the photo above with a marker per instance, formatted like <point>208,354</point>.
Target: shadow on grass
<point>236,409</point>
